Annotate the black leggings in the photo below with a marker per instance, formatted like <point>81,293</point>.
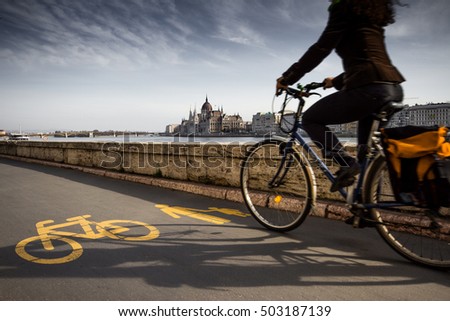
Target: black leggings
<point>347,106</point>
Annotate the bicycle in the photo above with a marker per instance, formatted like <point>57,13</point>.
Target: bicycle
<point>279,187</point>
<point>48,234</point>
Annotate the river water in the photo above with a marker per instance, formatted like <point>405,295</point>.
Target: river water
<point>166,139</point>
<point>151,139</point>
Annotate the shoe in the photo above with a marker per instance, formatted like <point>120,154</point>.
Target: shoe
<point>345,177</point>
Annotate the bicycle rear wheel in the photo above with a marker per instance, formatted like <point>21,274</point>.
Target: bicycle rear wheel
<point>418,234</point>
<point>278,191</point>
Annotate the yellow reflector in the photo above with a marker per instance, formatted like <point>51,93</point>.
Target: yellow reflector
<point>278,199</point>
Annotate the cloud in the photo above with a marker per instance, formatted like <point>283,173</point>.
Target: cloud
<point>140,34</point>
<point>422,20</point>
<point>100,33</point>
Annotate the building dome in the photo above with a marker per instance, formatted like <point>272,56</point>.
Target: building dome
<point>206,108</point>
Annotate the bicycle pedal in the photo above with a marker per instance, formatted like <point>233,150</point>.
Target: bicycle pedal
<point>360,222</point>
<point>356,221</point>
<point>282,148</point>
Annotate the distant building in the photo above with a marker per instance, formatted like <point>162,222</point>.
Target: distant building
<point>232,124</point>
<point>172,128</point>
<point>423,115</point>
<point>2,132</point>
<point>248,126</point>
<point>420,115</point>
<point>265,123</point>
<point>210,122</point>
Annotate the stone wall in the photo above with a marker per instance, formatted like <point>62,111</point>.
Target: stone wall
<point>207,163</point>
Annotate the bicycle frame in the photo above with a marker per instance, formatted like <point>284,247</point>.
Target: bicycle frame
<point>353,193</point>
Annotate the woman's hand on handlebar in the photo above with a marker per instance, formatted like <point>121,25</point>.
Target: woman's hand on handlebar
<point>328,83</point>
<point>280,87</point>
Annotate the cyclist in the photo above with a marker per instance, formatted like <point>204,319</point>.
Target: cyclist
<point>355,29</point>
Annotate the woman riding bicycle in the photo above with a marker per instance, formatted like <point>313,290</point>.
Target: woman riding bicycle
<point>355,29</point>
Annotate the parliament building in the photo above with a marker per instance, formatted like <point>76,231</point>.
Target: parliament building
<point>209,122</point>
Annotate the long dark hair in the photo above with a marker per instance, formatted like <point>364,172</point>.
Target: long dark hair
<point>380,12</point>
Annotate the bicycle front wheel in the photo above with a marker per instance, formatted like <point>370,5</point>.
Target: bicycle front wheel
<point>418,234</point>
<point>277,187</point>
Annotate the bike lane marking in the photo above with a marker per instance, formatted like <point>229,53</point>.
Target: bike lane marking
<point>47,234</point>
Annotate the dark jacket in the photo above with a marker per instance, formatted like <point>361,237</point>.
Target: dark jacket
<point>358,42</point>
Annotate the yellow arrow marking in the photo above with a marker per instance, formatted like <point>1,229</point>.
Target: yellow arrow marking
<point>178,211</point>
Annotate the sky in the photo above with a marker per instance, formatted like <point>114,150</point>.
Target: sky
<point>140,65</point>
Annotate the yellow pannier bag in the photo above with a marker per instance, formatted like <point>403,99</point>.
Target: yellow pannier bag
<point>418,161</point>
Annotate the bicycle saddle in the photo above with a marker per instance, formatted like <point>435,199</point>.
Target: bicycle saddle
<point>389,109</point>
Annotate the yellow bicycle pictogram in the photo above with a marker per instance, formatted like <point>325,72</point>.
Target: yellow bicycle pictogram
<point>41,249</point>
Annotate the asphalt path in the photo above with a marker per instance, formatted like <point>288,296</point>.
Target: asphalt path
<point>199,248</point>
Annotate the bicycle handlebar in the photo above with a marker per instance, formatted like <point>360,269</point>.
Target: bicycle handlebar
<point>304,91</point>
<point>314,85</point>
